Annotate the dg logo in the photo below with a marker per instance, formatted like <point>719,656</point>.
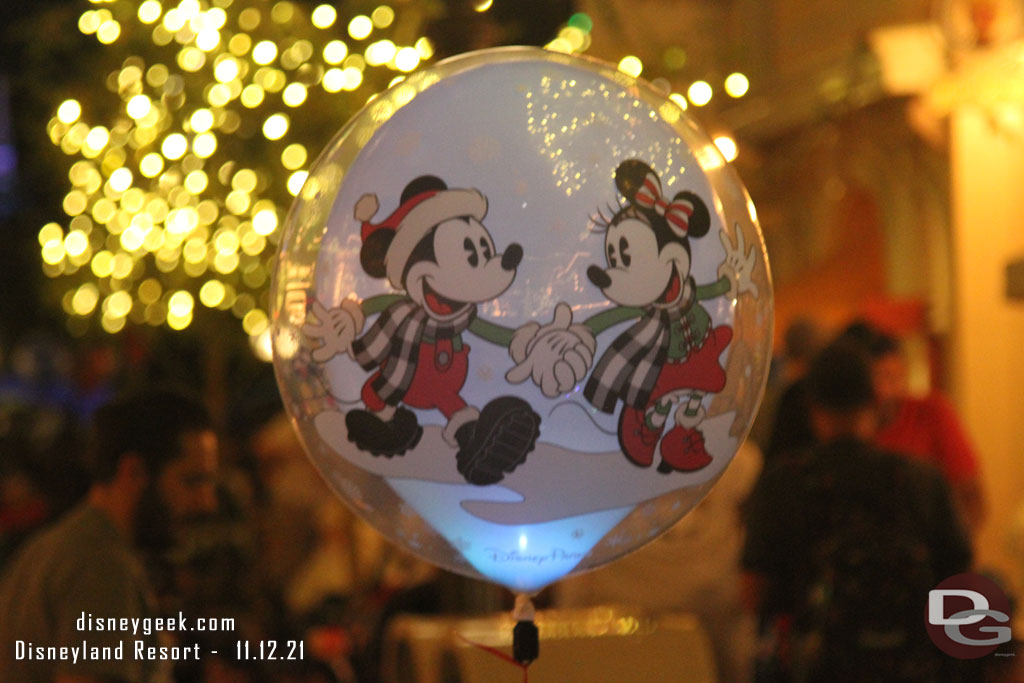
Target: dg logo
<point>968,616</point>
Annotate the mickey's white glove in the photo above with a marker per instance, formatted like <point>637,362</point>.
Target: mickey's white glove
<point>336,328</point>
<point>738,266</point>
<point>556,356</point>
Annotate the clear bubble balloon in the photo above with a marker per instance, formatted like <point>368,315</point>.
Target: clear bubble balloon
<point>522,314</point>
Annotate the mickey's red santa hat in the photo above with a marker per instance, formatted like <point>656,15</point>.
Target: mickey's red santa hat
<point>415,217</point>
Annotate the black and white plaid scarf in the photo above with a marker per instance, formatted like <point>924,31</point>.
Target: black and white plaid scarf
<point>630,367</point>
<point>393,341</point>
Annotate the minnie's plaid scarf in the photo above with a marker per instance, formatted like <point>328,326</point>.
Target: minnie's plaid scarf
<point>630,367</point>
<point>393,341</point>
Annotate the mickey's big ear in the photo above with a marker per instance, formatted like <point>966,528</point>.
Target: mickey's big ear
<point>700,220</point>
<point>424,183</point>
<point>629,177</point>
<point>375,248</point>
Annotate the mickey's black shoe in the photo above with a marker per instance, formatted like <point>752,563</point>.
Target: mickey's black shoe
<point>394,437</point>
<point>498,441</point>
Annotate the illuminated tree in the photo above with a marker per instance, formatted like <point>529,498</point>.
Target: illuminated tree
<point>183,175</point>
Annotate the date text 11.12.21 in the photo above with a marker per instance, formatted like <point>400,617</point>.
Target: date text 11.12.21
<point>270,650</point>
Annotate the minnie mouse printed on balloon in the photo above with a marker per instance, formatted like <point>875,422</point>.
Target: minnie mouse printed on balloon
<point>670,356</point>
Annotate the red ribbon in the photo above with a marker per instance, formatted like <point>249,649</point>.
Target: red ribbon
<point>497,653</point>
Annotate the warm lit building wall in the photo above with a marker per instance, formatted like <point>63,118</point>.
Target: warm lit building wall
<point>854,212</point>
<point>988,215</point>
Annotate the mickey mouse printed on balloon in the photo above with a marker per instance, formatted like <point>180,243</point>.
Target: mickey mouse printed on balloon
<point>435,251</point>
<point>671,354</point>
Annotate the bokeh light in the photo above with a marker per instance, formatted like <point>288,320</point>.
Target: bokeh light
<point>425,48</point>
<point>174,146</point>
<point>736,85</point>
<point>97,138</point>
<point>149,11</point>
<point>334,80</point>
<point>296,181</point>
<point>226,70</point>
<point>383,16</point>
<point>275,127</point>
<point>204,145</point>
<point>201,120</point>
<point>212,293</point>
<point>252,96</point>
<point>120,180</point>
<point>352,78</point>
<point>180,304</point>
<point>727,146</point>
<point>293,156</point>
<point>139,106</point>
<point>631,65</point>
<point>264,222</point>
<point>178,197</point>
<point>380,52</point>
<point>324,16</point>
<point>360,27</point>
<point>699,93</point>
<point>294,94</point>
<point>264,52</point>
<point>108,31</point>
<point>407,59</point>
<point>69,111</point>
<point>85,299</point>
<point>76,243</point>
<point>335,51</point>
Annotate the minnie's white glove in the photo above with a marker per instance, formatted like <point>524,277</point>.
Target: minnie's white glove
<point>738,266</point>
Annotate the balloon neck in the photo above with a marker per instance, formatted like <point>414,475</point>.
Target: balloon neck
<point>523,609</point>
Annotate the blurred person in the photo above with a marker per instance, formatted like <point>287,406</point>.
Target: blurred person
<point>693,568</point>
<point>925,427</point>
<point>319,564</point>
<point>845,540</point>
<point>787,416</point>
<point>40,422</point>
<point>292,495</point>
<point>314,548</point>
<point>23,506</point>
<point>153,461</point>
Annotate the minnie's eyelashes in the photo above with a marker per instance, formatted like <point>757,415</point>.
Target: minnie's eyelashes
<point>601,223</point>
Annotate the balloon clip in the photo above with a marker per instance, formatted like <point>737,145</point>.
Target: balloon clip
<point>525,642</point>
<point>525,636</point>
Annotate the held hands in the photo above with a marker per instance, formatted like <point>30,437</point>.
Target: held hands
<point>556,356</point>
<point>336,328</point>
<point>738,266</point>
